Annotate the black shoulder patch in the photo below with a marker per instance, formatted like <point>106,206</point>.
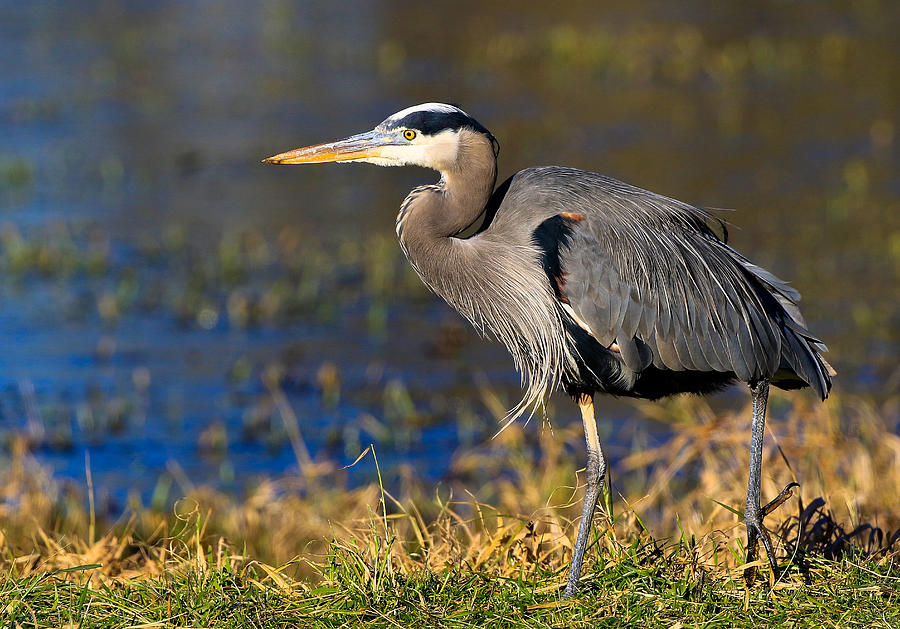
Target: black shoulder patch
<point>549,236</point>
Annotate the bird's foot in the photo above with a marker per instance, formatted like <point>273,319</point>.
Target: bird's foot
<point>753,518</point>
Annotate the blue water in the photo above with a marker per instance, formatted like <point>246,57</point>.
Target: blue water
<point>121,122</point>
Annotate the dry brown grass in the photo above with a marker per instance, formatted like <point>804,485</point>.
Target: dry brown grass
<point>845,454</point>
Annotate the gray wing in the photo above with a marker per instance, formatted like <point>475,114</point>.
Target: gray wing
<point>648,273</point>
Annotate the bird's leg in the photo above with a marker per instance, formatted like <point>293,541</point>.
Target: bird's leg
<point>596,474</point>
<point>753,514</point>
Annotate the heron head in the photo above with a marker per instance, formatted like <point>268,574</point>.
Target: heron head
<point>429,135</point>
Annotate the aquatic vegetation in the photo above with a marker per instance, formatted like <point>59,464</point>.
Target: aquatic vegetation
<point>689,484</point>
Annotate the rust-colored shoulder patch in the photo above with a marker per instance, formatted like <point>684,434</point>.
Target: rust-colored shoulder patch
<point>572,216</point>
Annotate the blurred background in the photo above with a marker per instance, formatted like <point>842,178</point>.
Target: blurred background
<point>186,316</point>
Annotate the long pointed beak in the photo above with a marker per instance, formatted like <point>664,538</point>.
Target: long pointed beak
<point>356,147</point>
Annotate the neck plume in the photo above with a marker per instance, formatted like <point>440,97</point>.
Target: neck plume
<point>493,278</point>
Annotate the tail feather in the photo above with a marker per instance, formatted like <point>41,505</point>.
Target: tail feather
<point>802,360</point>
<point>801,352</point>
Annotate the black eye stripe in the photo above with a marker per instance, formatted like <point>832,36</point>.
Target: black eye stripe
<point>433,122</point>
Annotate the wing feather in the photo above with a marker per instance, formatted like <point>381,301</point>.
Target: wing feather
<point>648,273</point>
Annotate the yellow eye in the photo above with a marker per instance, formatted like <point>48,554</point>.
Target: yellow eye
<point>409,134</point>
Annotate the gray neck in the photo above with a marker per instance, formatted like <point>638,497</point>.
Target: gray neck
<point>431,215</point>
<point>495,278</point>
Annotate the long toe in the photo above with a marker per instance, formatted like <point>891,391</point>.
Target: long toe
<point>779,500</point>
<point>756,532</point>
<point>752,553</point>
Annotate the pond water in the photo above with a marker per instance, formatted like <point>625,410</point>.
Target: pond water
<point>154,271</point>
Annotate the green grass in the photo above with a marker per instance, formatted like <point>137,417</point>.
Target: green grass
<point>361,557</point>
<point>635,587</point>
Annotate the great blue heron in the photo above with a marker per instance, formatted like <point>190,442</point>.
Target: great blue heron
<point>591,283</point>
